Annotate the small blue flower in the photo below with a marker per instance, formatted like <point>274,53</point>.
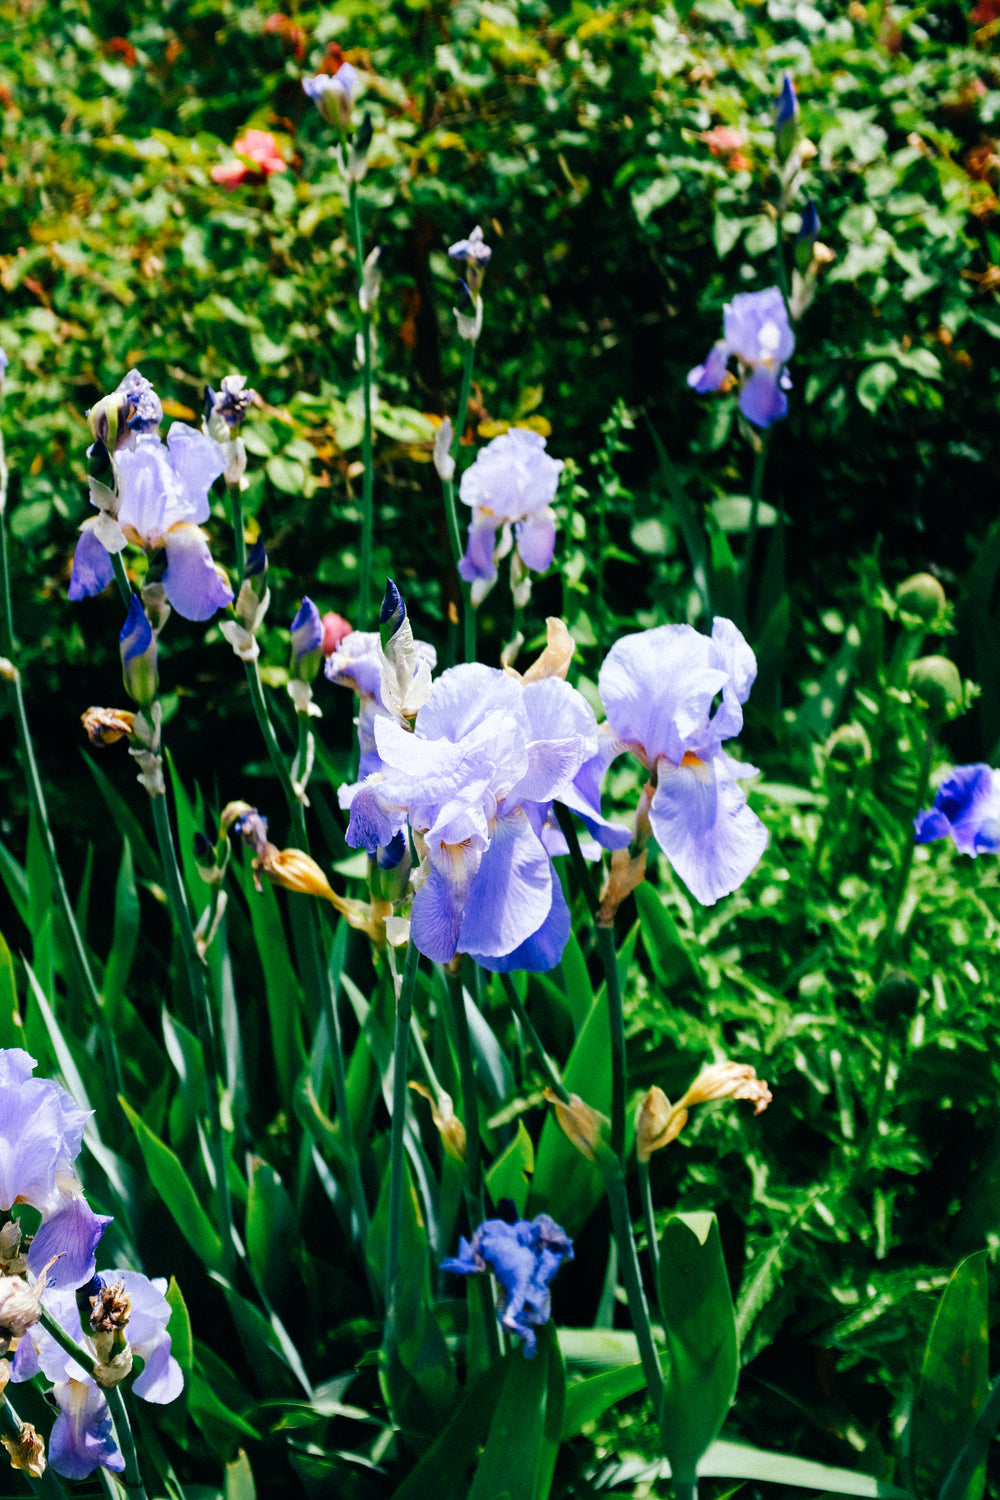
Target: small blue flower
<point>475,255</point>
<point>524,1257</point>
<point>333,94</point>
<point>756,329</point>
<point>966,807</point>
<point>809,228</point>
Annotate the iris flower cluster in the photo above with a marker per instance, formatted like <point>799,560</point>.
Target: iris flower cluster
<point>41,1132</point>
<point>510,489</point>
<point>474,772</point>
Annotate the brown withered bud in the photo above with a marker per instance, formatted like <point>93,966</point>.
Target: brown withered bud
<point>446,1122</point>
<point>111,1309</point>
<point>27,1451</point>
<point>106,726</point>
<point>583,1126</point>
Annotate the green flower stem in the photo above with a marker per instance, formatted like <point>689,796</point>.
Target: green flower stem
<point>545,1062</point>
<point>368,481</point>
<point>451,515</point>
<point>628,1260</point>
<point>685,1489</point>
<point>296,811</point>
<point>36,796</point>
<point>616,1015</point>
<point>475,1200</point>
<point>397,1162</point>
<point>132,1476</point>
<point>463,401</point>
<point>649,1218</point>
<point>86,1359</point>
<point>203,1021</point>
<point>121,577</point>
<point>889,937</point>
<point>580,867</point>
<point>10,1425</point>
<point>239,535</point>
<point>317,976</point>
<point>756,493</point>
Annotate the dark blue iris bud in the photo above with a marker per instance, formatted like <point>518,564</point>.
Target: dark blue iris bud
<point>786,118</point>
<point>307,642</point>
<point>809,228</point>
<point>138,652</point>
<point>392,614</point>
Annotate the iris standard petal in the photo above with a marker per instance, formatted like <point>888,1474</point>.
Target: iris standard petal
<point>705,828</point>
<point>657,689</point>
<point>92,569</point>
<point>197,462</point>
<point>193,584</point>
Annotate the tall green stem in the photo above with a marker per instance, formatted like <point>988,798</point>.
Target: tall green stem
<point>628,1258</point>
<point>397,1165</point>
<point>889,936</point>
<point>616,1018</point>
<point>545,1062</point>
<point>296,811</point>
<point>203,1020</point>
<point>318,977</point>
<point>368,480</point>
<point>463,401</point>
<point>649,1218</point>
<point>36,793</point>
<point>756,493</point>
<point>239,535</point>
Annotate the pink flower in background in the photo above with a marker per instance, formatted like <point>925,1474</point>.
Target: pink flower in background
<point>724,141</point>
<point>261,157</point>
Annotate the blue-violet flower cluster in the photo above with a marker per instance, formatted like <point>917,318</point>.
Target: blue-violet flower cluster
<point>524,1257</point>
<point>966,808</point>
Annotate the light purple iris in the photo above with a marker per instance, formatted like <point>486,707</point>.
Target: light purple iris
<point>164,489</point>
<point>475,781</point>
<point>658,689</point>
<point>41,1131</point>
<point>357,663</point>
<point>511,485</point>
<point>966,807</point>
<point>755,329</point>
<point>82,1438</point>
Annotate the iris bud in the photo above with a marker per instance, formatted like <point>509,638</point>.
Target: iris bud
<point>138,652</point>
<point>922,596</point>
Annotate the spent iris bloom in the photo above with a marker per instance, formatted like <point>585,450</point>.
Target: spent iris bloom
<point>475,780</point>
<point>82,1438</point>
<point>658,688</point>
<point>41,1131</point>
<point>164,499</point>
<point>524,1257</point>
<point>756,329</point>
<point>966,808</point>
<point>510,488</point>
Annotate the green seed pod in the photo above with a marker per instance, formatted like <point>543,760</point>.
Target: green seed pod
<point>922,596</point>
<point>849,746</point>
<point>936,682</point>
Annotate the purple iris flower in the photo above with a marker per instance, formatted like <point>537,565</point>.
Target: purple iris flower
<point>511,485</point>
<point>757,331</point>
<point>475,255</point>
<point>333,94</point>
<point>41,1131</point>
<point>967,806</point>
<point>357,663</point>
<point>475,780</point>
<point>164,489</point>
<point>658,688</point>
<point>82,1437</point>
<point>524,1257</point>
